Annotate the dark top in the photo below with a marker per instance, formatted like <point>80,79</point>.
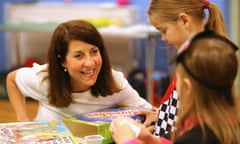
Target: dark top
<point>195,136</point>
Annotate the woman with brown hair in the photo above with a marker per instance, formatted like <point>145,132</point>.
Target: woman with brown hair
<point>77,78</point>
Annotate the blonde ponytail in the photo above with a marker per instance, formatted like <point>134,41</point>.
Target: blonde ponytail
<point>215,20</point>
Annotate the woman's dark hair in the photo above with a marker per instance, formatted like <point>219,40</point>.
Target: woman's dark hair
<point>60,88</point>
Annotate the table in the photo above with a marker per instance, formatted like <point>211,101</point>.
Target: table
<point>137,31</point>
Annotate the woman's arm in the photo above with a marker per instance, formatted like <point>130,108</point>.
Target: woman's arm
<point>16,98</point>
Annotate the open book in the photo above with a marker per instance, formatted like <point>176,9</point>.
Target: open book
<point>37,132</point>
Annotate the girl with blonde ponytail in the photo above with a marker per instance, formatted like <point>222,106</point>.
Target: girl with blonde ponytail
<point>177,21</point>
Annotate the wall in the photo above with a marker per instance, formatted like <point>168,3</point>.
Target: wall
<point>3,65</point>
<point>142,4</point>
<point>34,44</point>
<point>235,35</point>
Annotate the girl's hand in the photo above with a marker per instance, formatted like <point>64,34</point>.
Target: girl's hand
<point>124,128</point>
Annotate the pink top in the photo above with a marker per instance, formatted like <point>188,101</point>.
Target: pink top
<point>136,141</point>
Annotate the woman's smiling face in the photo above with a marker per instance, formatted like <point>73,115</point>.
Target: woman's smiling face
<point>83,63</point>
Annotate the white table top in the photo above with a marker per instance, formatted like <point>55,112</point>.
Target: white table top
<point>131,31</point>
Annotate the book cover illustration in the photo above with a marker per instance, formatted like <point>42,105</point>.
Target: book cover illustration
<point>107,115</point>
<point>35,132</point>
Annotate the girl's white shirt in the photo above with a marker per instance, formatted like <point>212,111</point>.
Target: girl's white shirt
<point>30,83</point>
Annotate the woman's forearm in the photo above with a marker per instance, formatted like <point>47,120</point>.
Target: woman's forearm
<point>16,98</point>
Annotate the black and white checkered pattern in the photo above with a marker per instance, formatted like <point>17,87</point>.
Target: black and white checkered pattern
<point>167,116</point>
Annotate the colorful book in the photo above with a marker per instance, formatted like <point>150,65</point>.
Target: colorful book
<point>99,122</point>
<point>107,115</point>
<point>37,132</point>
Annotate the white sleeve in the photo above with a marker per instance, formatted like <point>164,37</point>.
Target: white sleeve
<point>29,81</point>
<point>129,96</point>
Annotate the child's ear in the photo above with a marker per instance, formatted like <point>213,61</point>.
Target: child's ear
<point>184,19</point>
<point>187,86</point>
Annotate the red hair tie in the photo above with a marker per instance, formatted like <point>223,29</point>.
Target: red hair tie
<point>206,5</point>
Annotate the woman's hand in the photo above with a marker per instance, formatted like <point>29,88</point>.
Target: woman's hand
<point>150,118</point>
